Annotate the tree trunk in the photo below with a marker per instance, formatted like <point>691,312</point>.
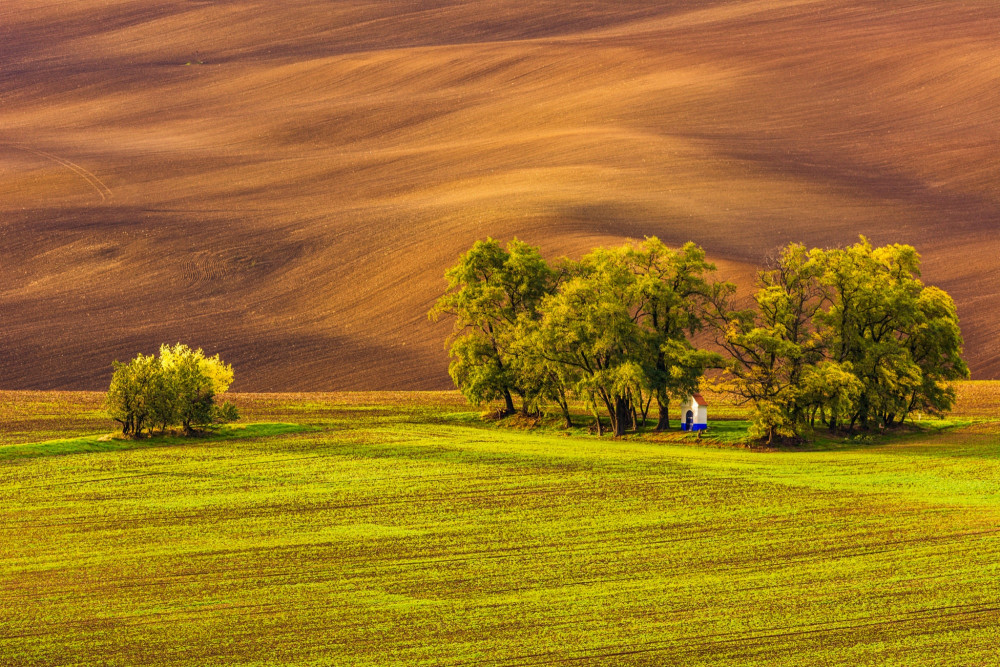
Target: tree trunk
<point>597,421</point>
<point>508,401</point>
<point>909,408</point>
<point>663,422</point>
<point>564,406</point>
<point>621,415</point>
<point>609,404</point>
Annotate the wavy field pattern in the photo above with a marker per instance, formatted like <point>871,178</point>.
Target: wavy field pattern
<point>284,183</point>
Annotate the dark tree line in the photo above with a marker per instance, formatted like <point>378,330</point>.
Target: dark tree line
<point>848,338</point>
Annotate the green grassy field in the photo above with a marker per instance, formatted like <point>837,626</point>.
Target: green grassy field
<point>398,529</point>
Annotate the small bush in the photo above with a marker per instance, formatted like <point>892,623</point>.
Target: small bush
<point>225,413</point>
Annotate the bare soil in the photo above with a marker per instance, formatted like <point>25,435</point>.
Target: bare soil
<point>285,183</point>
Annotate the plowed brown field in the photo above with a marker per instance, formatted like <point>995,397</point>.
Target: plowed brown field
<point>285,182</point>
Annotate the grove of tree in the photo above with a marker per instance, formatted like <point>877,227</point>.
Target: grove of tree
<point>849,338</point>
<point>177,388</point>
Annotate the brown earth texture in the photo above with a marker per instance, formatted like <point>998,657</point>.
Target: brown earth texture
<point>285,183</point>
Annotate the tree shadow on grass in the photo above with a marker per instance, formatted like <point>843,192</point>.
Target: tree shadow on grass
<point>108,443</point>
<point>823,441</point>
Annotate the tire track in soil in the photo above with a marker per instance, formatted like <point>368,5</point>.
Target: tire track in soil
<point>92,180</point>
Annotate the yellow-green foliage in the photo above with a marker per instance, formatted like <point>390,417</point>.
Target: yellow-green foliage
<point>178,387</point>
<point>407,534</point>
<point>214,369</point>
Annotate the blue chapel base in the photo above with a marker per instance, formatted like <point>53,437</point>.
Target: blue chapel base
<point>694,427</point>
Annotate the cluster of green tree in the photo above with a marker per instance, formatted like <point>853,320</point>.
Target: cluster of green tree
<point>177,388</point>
<point>612,329</point>
<point>848,337</point>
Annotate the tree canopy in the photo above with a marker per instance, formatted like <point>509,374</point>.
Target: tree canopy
<point>491,290</point>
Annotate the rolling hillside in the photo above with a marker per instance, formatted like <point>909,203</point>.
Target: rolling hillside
<point>285,183</point>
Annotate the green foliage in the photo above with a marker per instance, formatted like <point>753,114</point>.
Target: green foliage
<point>611,329</point>
<point>225,413</point>
<point>490,291</point>
<point>901,337</point>
<point>674,286</point>
<point>191,387</point>
<point>136,398</point>
<point>849,335</point>
<point>772,343</point>
<point>830,389</point>
<point>479,370</point>
<point>589,326</point>
<point>177,388</point>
